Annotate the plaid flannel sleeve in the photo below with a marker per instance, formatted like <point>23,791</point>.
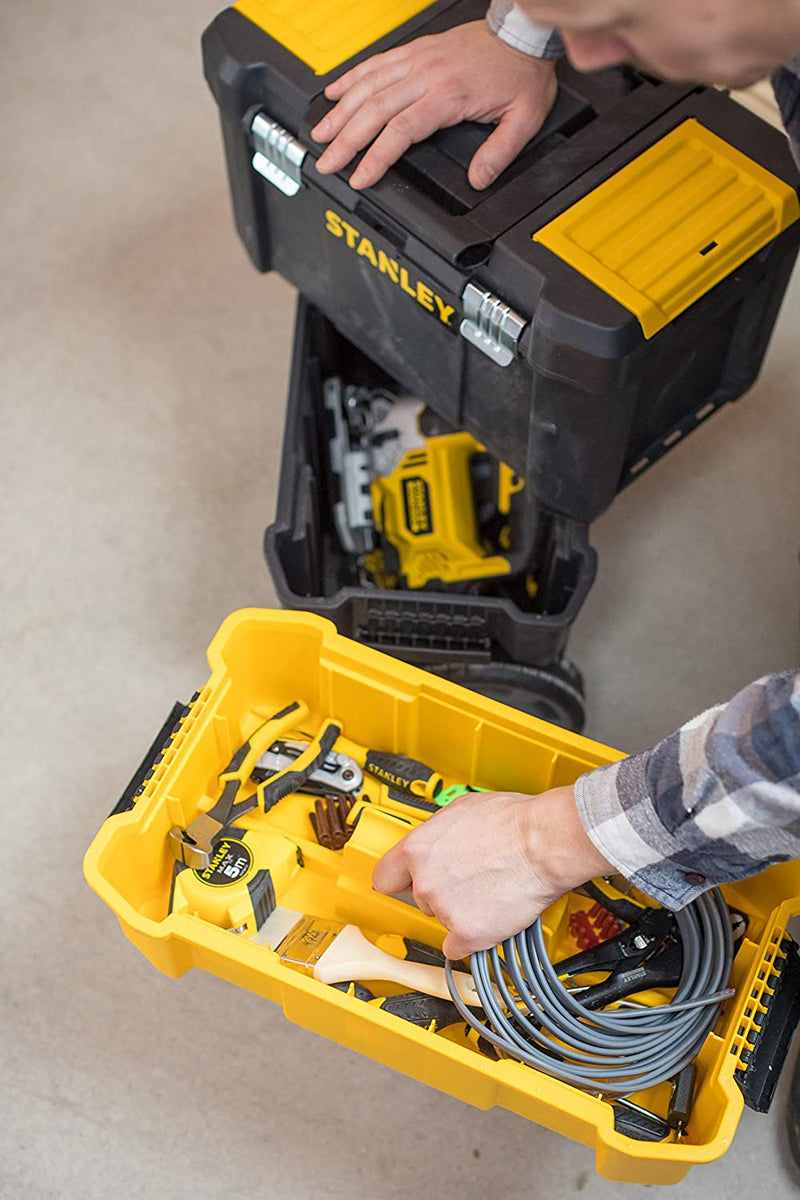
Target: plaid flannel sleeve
<point>508,22</point>
<point>786,85</point>
<point>713,803</point>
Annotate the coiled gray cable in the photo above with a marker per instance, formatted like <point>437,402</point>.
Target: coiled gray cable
<point>616,1051</point>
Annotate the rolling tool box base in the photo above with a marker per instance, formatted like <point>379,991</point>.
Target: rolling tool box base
<point>272,669</point>
<point>488,642</point>
<point>617,284</point>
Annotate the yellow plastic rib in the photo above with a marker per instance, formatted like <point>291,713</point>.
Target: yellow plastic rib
<point>325,34</point>
<point>669,226</point>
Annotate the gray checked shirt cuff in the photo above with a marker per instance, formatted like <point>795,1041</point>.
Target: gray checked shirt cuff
<point>715,802</point>
<point>508,22</point>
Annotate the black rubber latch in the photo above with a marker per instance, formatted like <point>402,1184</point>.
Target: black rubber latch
<point>153,755</point>
<point>760,1077</point>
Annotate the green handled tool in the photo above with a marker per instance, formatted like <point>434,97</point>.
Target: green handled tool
<point>457,789</point>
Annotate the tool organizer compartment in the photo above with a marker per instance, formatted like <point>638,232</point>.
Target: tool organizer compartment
<point>264,663</point>
<point>616,285</point>
<point>312,572</point>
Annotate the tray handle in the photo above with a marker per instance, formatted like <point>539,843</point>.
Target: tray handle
<point>770,1041</point>
<point>151,759</point>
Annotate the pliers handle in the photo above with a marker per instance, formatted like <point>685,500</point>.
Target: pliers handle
<point>663,969</point>
<point>634,945</point>
<point>623,909</point>
<point>194,846</point>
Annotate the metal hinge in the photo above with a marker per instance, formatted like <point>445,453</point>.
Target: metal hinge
<point>491,325</point>
<point>278,156</point>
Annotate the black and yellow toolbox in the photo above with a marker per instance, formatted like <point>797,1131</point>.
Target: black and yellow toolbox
<point>615,286</point>
<point>228,852</point>
<point>617,283</point>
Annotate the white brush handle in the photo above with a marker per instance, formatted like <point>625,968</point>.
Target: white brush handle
<point>352,958</point>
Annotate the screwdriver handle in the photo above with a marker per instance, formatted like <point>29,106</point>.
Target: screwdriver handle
<point>680,1104</point>
<point>637,1123</point>
<point>412,801</point>
<point>403,773</point>
<point>421,1010</point>
<point>416,1007</point>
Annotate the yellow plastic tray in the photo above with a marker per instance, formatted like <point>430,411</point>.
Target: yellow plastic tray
<point>261,660</point>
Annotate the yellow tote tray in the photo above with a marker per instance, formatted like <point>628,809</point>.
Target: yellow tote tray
<point>261,661</point>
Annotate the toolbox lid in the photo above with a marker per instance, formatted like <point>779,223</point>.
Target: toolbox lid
<point>674,222</point>
<point>323,35</point>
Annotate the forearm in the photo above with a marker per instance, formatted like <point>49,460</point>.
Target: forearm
<point>715,802</point>
<point>508,22</point>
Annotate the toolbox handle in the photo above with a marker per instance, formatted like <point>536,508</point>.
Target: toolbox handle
<point>438,165</point>
<point>153,756</point>
<point>379,223</point>
<point>763,1064</point>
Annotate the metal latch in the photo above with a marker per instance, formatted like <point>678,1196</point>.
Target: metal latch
<point>278,156</point>
<point>491,325</point>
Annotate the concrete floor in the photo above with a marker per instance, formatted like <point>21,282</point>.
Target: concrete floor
<point>144,376</point>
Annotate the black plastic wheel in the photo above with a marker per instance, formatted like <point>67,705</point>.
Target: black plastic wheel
<point>554,693</point>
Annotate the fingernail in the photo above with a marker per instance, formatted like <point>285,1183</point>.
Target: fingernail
<point>486,176</point>
<point>357,178</point>
<point>319,131</point>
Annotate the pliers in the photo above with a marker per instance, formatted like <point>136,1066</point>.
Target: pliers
<point>194,846</point>
<point>647,954</point>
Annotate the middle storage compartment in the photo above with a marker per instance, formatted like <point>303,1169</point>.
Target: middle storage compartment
<point>503,634</point>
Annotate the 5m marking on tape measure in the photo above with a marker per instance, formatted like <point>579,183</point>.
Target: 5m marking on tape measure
<point>232,860</point>
<point>364,247</point>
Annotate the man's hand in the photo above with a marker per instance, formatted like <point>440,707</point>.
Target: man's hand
<point>488,864</point>
<point>432,83</point>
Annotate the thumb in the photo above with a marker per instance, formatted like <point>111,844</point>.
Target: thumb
<point>391,875</point>
<point>456,947</point>
<point>515,129</point>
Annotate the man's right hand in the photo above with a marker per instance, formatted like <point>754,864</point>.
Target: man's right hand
<point>489,863</point>
<point>405,95</point>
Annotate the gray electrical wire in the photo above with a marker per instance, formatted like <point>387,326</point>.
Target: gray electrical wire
<point>617,1051</point>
